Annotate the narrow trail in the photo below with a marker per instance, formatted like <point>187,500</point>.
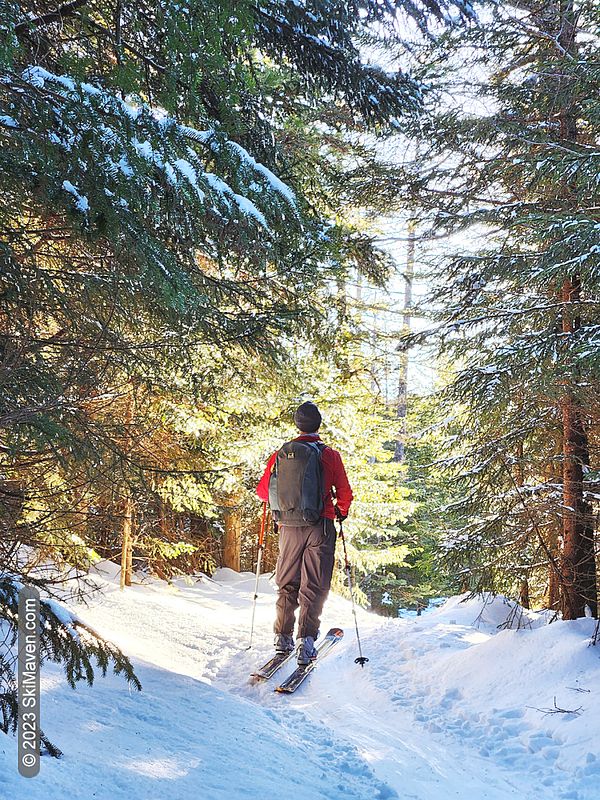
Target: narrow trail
<point>415,763</point>
<point>419,756</point>
<point>355,705</point>
<point>438,712</point>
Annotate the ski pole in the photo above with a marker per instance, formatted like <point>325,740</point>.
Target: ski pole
<point>362,660</point>
<point>261,539</point>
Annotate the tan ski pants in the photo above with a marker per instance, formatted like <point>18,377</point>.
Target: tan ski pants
<point>303,575</point>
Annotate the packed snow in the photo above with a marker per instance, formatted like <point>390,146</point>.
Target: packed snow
<point>462,702</point>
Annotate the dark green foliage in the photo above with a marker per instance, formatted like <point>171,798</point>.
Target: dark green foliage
<point>511,176</point>
<point>174,212</point>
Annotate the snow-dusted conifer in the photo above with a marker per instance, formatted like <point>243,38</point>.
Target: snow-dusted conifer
<point>510,174</point>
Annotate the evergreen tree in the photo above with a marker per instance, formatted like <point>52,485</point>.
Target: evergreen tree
<point>166,223</point>
<point>509,175</point>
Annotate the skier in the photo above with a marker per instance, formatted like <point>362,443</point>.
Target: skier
<point>300,483</point>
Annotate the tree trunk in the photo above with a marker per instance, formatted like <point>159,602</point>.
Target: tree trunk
<point>553,601</point>
<point>163,519</point>
<point>399,450</point>
<point>271,545</point>
<point>127,540</point>
<point>578,563</point>
<point>232,539</point>
<point>127,547</point>
<point>232,520</point>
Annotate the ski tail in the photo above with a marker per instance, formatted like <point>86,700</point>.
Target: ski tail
<point>272,666</point>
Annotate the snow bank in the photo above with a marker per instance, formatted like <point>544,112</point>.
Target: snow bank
<point>489,613</point>
<point>180,738</point>
<point>498,691</point>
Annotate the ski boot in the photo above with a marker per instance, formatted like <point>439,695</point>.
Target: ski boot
<point>284,643</point>
<point>305,650</point>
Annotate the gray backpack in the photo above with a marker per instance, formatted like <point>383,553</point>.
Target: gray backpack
<point>296,484</point>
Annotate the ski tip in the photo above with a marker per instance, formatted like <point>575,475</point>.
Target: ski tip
<point>336,633</point>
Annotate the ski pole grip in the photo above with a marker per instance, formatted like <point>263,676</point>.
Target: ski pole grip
<point>339,516</point>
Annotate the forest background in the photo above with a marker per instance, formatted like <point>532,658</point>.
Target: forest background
<point>196,211</point>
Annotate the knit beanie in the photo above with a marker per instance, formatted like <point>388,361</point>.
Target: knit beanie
<point>308,418</point>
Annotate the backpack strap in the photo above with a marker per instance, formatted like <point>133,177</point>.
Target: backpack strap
<point>319,445</point>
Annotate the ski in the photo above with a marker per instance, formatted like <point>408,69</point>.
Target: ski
<point>270,668</point>
<point>323,647</point>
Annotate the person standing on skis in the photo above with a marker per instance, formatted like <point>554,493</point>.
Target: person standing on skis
<point>300,483</point>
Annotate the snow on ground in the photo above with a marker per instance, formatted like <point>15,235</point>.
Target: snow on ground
<point>449,706</point>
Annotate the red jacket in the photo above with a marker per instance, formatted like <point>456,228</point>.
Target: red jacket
<point>334,475</point>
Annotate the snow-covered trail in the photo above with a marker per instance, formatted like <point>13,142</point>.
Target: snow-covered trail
<point>442,710</point>
<point>422,756</point>
<point>418,765</point>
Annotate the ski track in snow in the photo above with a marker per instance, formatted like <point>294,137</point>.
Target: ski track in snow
<point>445,708</point>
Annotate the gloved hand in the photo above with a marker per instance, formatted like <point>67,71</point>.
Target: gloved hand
<point>340,517</point>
